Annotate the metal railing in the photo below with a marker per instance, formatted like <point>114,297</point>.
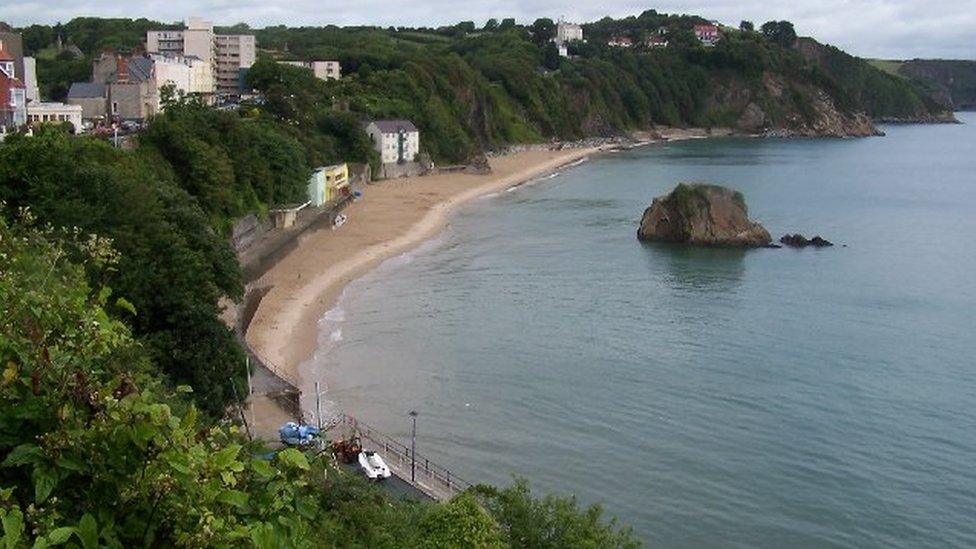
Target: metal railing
<point>425,468</point>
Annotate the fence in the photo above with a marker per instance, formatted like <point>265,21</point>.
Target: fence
<point>443,478</point>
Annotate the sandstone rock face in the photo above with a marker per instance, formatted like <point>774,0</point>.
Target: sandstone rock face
<point>702,215</point>
<point>753,119</point>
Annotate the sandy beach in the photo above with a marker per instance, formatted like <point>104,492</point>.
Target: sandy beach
<point>393,217</point>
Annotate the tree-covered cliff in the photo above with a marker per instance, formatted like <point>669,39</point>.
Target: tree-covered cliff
<point>951,82</point>
<point>471,90</point>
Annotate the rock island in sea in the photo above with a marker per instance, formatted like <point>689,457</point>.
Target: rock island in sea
<point>702,215</point>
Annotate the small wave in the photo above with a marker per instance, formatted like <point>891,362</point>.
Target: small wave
<point>489,196</point>
<point>335,314</point>
<point>336,335</point>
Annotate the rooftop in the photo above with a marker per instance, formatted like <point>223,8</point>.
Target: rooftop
<point>86,90</point>
<point>394,126</point>
<point>52,106</point>
<point>140,69</point>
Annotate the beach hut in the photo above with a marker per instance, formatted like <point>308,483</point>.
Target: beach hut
<point>316,188</point>
<point>336,182</point>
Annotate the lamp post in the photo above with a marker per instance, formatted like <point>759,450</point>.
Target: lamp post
<point>413,447</point>
<point>318,406</point>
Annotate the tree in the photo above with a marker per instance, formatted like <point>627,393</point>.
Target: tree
<point>780,33</point>
<point>491,25</point>
<point>465,27</point>
<point>550,522</point>
<point>550,56</point>
<point>747,26</point>
<point>460,523</point>
<point>543,30</point>
<point>507,23</point>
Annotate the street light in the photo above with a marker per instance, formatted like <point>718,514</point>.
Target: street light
<point>413,447</point>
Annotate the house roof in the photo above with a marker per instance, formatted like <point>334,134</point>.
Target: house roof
<point>4,56</point>
<point>394,126</point>
<point>86,90</point>
<point>140,69</point>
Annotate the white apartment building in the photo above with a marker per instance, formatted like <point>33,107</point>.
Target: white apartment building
<point>226,54</point>
<point>190,75</point>
<point>568,32</point>
<point>397,141</point>
<point>54,113</point>
<point>234,53</point>
<point>323,70</point>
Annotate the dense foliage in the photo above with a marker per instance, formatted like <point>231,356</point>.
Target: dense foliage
<point>232,165</point>
<point>172,266</point>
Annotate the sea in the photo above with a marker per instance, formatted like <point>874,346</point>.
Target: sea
<point>704,397</point>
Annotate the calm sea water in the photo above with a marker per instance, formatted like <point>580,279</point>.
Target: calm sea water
<point>764,398</point>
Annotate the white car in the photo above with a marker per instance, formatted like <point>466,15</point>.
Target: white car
<point>373,465</point>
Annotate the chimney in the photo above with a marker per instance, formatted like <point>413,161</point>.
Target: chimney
<point>121,70</point>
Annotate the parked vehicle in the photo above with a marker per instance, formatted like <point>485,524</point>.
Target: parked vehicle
<point>373,465</point>
<point>293,434</point>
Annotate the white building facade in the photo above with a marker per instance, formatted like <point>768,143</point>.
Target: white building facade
<point>30,79</point>
<point>54,113</point>
<point>566,33</point>
<point>323,70</point>
<point>397,141</point>
<point>189,75</point>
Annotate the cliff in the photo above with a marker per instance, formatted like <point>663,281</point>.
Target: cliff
<point>778,106</point>
<point>702,215</point>
<point>949,81</point>
<point>857,86</point>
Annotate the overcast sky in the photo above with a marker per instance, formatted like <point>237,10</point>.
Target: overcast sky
<point>870,28</point>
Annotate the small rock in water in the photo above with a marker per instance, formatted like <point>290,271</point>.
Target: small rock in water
<point>800,241</point>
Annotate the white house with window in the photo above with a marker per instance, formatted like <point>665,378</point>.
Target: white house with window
<point>54,113</point>
<point>397,141</point>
